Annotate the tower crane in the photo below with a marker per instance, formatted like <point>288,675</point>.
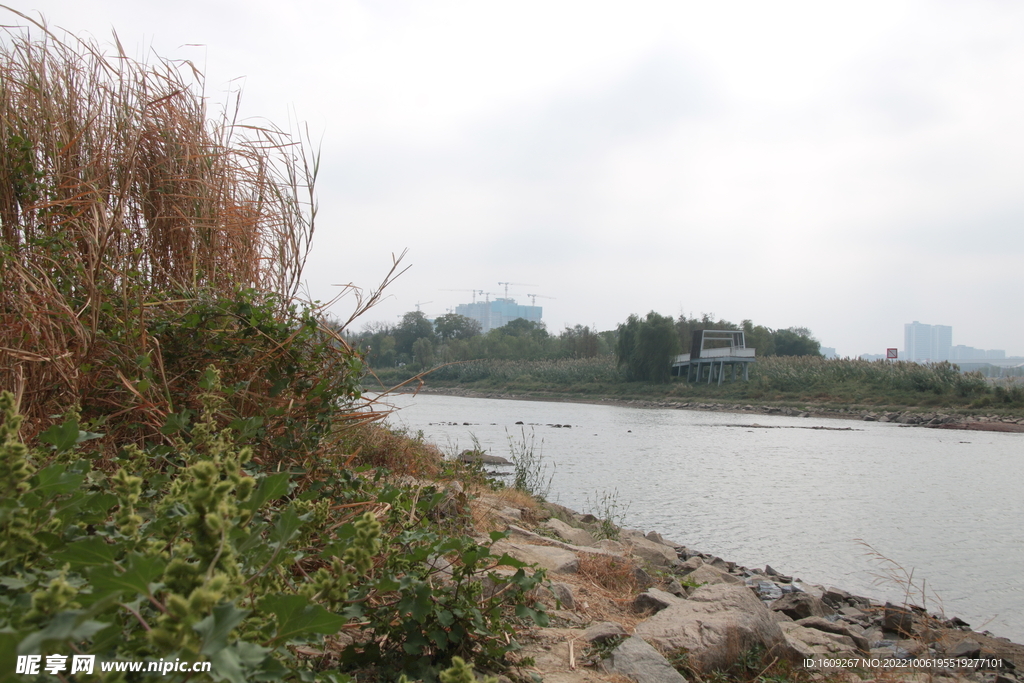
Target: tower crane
<point>538,296</point>
<point>420,303</point>
<point>518,284</point>
<point>474,292</point>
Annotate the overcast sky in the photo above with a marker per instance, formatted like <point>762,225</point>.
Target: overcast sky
<point>846,167</point>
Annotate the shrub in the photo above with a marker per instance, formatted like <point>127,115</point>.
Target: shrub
<point>194,555</point>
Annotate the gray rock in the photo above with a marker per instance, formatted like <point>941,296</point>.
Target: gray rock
<point>636,659</point>
<point>555,560</point>
<point>481,457</point>
<point>715,625</point>
<point>767,590</point>
<point>690,565</point>
<point>838,628</point>
<point>654,599</point>
<point>835,597</point>
<point>657,554</point>
<point>604,631</point>
<point>707,574</point>
<point>801,605</point>
<point>569,533</point>
<point>967,648</point>
<point>898,620</point>
<point>810,643</point>
<point>563,593</point>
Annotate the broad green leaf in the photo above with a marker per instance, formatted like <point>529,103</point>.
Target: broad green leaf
<point>507,560</point>
<point>55,480</point>
<point>247,427</point>
<point>269,488</point>
<point>90,552</point>
<point>87,436</point>
<point>67,626</point>
<point>61,437</point>
<point>177,422</point>
<point>215,628</point>
<point>296,618</point>
<point>135,579</point>
<point>287,525</point>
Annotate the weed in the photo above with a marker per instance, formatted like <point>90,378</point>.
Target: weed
<point>610,513</point>
<point>530,470</point>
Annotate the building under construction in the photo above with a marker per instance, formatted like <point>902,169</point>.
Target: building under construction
<point>498,313</point>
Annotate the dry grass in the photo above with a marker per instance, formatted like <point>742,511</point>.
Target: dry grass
<point>121,199</point>
<point>379,446</point>
<point>614,574</point>
<point>128,217</point>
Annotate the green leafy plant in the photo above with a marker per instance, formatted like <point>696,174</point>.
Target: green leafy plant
<point>530,470</point>
<point>189,552</point>
<point>610,513</point>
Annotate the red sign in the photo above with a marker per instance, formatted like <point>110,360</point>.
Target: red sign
<point>891,354</point>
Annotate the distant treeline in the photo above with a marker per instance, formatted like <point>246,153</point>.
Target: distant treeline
<point>643,347</point>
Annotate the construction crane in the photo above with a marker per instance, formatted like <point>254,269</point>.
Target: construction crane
<point>421,303</point>
<point>538,296</point>
<point>474,291</point>
<point>517,284</point>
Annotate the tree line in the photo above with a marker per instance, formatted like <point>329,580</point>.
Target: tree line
<point>643,346</point>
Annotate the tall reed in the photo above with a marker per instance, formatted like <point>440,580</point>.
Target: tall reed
<point>123,201</point>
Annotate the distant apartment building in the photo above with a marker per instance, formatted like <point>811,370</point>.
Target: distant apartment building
<point>961,352</point>
<point>498,313</point>
<point>934,343</point>
<point>917,342</point>
<point>827,351</point>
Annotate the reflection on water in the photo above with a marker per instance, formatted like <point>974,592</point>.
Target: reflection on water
<point>944,503</point>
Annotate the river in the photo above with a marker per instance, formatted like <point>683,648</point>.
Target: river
<point>945,505</point>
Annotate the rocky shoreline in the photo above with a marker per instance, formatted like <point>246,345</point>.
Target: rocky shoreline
<point>642,607</point>
<point>931,419</point>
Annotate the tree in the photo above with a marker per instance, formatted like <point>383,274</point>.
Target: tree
<point>454,326</point>
<point>646,347</point>
<point>579,342</point>
<point>414,326</point>
<point>796,341</point>
<point>423,352</point>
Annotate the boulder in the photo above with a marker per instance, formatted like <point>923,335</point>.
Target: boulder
<point>715,625</point>
<point>707,574</point>
<point>836,597</point>
<point>481,457</point>
<point>898,620</point>
<point>562,592</point>
<point>810,643</point>
<point>654,600</point>
<point>636,659</point>
<point>970,649</point>
<point>800,606</point>
<point>604,631</point>
<point>658,554</point>
<point>690,564</point>
<point>569,533</point>
<point>838,628</point>
<point>555,560</point>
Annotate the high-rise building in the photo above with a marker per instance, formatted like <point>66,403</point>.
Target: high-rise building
<point>498,313</point>
<point>942,342</point>
<point>927,343</point>
<point>917,342</point>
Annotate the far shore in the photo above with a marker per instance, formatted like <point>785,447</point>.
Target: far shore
<point>935,419</point>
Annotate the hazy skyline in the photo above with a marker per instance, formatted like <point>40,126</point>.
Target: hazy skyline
<point>847,168</point>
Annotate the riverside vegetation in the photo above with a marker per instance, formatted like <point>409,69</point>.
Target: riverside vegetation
<point>188,469</point>
<point>633,361</point>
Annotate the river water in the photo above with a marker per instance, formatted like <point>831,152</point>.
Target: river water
<point>946,505</point>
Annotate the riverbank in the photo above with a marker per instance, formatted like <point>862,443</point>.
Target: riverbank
<point>626,603</point>
<point>972,420</point>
